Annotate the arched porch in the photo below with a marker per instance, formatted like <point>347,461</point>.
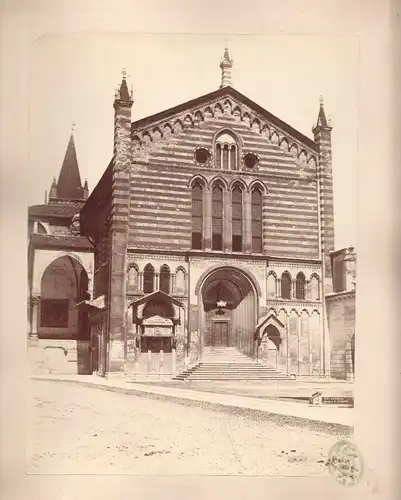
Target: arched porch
<point>227,305</point>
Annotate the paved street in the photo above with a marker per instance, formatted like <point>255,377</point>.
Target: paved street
<point>73,429</point>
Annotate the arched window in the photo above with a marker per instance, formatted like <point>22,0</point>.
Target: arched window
<point>197,216</point>
<point>237,219</point>
<point>165,279</point>
<point>226,152</point>
<point>257,202</point>
<point>148,278</point>
<point>217,218</point>
<point>286,285</point>
<point>300,286</point>
<point>271,285</point>
<point>180,281</point>
<point>314,288</point>
<point>132,284</point>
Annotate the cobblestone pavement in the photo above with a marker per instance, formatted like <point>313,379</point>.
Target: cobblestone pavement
<point>74,429</point>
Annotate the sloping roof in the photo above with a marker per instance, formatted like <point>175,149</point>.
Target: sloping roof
<point>220,93</point>
<point>61,241</point>
<point>69,182</point>
<point>157,294</point>
<point>62,210</point>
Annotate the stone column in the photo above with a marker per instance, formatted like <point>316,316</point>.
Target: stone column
<point>247,221</point>
<point>293,289</point>
<point>35,316</point>
<point>227,221</point>
<point>307,290</point>
<point>156,282</point>
<point>278,285</point>
<point>207,219</point>
<point>140,282</point>
<point>172,281</point>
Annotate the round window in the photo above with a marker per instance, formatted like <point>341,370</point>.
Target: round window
<point>202,155</point>
<point>250,160</point>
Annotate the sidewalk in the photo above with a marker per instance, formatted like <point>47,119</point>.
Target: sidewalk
<point>322,414</point>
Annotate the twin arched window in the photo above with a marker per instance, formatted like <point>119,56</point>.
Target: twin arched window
<point>226,152</point>
<point>236,221</point>
<point>286,286</point>
<point>149,279</point>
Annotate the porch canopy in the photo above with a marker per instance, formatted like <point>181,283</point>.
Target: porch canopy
<point>266,321</point>
<point>156,304</point>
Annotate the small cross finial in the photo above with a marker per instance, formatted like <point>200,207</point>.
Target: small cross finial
<point>124,73</point>
<point>321,100</point>
<point>73,127</point>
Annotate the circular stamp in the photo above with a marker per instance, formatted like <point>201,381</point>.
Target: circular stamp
<point>345,463</point>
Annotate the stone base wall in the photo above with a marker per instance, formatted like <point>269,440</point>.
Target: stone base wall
<point>341,320</point>
<point>61,357</point>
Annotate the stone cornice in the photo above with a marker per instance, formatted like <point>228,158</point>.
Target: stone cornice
<point>340,296</point>
<point>296,303</point>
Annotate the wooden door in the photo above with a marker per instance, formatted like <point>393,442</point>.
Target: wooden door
<point>220,335</point>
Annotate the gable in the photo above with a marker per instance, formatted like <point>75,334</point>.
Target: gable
<point>223,103</point>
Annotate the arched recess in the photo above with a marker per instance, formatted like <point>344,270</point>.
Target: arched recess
<point>271,284</point>
<point>286,285</point>
<point>257,218</point>
<point>227,305</point>
<point>132,278</point>
<point>237,215</point>
<point>148,279</point>
<point>217,215</point>
<point>226,146</point>
<point>180,281</point>
<point>300,286</point>
<point>63,285</point>
<point>314,287</point>
<point>197,192</point>
<point>165,279</point>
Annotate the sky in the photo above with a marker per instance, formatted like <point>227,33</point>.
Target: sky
<point>72,79</point>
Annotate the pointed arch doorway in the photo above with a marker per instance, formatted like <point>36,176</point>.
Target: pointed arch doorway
<point>228,304</point>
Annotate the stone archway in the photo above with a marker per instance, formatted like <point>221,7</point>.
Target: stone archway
<point>228,302</point>
<point>64,284</point>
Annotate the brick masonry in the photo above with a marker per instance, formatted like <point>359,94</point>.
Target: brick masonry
<point>141,214</point>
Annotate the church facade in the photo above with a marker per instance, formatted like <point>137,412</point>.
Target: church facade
<point>212,227</point>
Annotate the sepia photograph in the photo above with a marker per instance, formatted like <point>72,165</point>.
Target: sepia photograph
<point>191,280</point>
<point>198,290</point>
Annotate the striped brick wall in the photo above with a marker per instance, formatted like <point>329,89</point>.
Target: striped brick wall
<point>325,175</point>
<point>120,201</point>
<point>160,207</point>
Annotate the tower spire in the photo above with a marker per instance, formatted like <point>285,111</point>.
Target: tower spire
<point>69,182</point>
<point>225,65</point>
<point>123,93</point>
<point>321,118</point>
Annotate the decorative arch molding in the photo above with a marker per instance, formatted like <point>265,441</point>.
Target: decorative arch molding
<point>257,184</point>
<point>218,181</point>
<point>237,181</point>
<point>265,321</point>
<point>200,179</point>
<point>293,310</point>
<point>284,310</point>
<point>149,136</point>
<point>251,277</point>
